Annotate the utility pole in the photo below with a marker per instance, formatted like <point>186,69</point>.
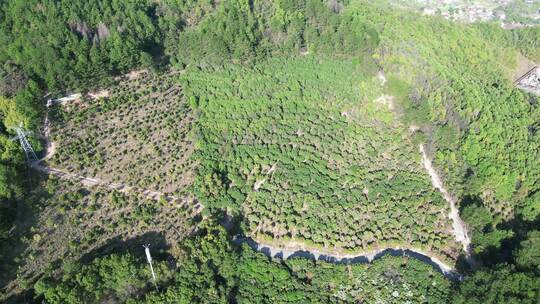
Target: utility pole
<point>149,259</point>
<point>29,153</point>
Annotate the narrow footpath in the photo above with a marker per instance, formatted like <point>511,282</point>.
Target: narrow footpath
<point>460,233</point>
<point>87,181</point>
<point>460,228</point>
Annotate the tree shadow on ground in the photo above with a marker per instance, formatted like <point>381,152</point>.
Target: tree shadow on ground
<point>25,215</point>
<point>134,246</point>
<point>491,256</point>
<point>156,240</point>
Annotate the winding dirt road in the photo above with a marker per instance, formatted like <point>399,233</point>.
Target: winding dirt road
<point>459,231</point>
<point>87,181</point>
<point>297,249</point>
<point>91,181</point>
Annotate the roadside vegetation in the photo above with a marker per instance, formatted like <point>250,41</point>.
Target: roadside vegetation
<point>211,270</point>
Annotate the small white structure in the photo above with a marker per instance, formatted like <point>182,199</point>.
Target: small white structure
<point>61,100</point>
<point>69,97</point>
<point>530,82</point>
<point>149,259</point>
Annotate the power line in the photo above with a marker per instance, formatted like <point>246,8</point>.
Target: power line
<point>29,153</point>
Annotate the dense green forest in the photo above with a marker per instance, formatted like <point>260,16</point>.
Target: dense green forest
<point>210,270</point>
<point>273,113</point>
<point>324,161</point>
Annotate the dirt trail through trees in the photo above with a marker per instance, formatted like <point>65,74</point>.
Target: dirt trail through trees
<point>460,229</point>
<point>91,181</point>
<point>293,248</point>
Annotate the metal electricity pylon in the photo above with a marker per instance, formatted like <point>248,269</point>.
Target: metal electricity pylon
<point>25,144</point>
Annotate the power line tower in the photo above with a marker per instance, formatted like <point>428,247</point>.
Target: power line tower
<point>25,144</point>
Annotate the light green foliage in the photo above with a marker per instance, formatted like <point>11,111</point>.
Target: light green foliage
<point>465,88</point>
<point>23,108</point>
<point>522,12</point>
<point>483,130</point>
<point>303,149</point>
<point>531,206</point>
<point>525,40</point>
<point>111,277</point>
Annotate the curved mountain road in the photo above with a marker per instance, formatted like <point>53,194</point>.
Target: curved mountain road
<point>459,230</point>
<point>295,249</point>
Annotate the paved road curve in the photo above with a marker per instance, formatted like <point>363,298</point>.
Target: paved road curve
<point>459,230</point>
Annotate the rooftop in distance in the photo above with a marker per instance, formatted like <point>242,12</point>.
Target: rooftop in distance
<point>530,81</point>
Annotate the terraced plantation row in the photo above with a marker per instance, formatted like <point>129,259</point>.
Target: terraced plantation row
<point>314,153</point>
<point>139,135</point>
<point>307,150</point>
